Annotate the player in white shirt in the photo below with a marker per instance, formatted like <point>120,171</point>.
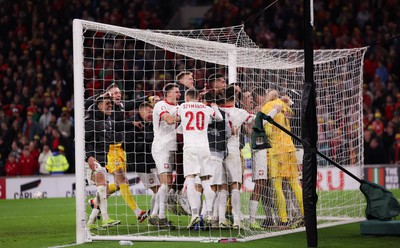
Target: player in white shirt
<point>195,117</point>
<point>233,163</point>
<point>255,101</point>
<point>163,149</point>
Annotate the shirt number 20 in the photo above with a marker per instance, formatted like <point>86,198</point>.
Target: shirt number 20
<point>197,120</point>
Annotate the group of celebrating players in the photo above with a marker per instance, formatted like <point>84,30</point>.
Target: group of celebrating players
<point>205,128</point>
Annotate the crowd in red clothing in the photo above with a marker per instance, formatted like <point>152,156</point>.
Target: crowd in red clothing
<point>36,70</point>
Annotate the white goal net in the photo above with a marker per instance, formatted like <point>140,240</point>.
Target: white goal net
<point>142,62</point>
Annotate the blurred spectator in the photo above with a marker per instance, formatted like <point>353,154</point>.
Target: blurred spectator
<point>33,149</point>
<point>30,127</point>
<point>367,97</point>
<point>15,150</point>
<point>45,118</point>
<point>389,141</point>
<point>4,151</point>
<point>375,153</point>
<point>27,163</point>
<point>64,125</point>
<point>32,107</point>
<point>50,103</point>
<point>389,108</point>
<point>378,124</point>
<point>56,139</point>
<point>43,157</point>
<point>11,167</point>
<point>57,163</point>
<point>382,72</point>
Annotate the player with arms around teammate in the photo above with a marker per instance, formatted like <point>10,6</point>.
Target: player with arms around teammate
<point>195,117</point>
<point>218,134</point>
<point>253,103</point>
<point>138,143</point>
<point>233,163</point>
<point>163,149</point>
<point>96,123</point>
<point>282,161</point>
<point>105,136</point>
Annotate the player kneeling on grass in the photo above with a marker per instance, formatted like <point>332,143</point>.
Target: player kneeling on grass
<point>195,117</point>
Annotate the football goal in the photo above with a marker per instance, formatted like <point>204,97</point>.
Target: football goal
<point>142,62</point>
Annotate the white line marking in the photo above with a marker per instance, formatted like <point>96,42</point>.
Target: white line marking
<point>60,246</point>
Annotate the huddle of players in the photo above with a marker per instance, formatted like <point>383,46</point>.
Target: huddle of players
<point>210,124</point>
<point>206,146</point>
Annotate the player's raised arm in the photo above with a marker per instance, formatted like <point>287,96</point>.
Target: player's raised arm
<point>217,114</point>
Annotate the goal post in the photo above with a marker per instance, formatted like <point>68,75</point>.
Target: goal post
<point>81,235</point>
<point>141,62</point>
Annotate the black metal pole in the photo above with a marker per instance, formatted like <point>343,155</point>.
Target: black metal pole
<point>309,134</point>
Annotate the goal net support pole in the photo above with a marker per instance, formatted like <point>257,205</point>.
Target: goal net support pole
<point>309,131</point>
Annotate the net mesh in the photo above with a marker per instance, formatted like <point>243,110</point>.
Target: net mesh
<point>142,62</point>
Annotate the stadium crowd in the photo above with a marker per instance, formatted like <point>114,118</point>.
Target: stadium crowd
<point>36,71</point>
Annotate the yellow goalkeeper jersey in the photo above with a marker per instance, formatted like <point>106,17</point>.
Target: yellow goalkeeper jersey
<point>279,140</point>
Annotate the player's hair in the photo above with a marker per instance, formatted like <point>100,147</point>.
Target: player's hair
<point>168,87</point>
<point>211,97</point>
<point>214,77</point>
<point>192,93</point>
<point>230,93</point>
<point>182,74</point>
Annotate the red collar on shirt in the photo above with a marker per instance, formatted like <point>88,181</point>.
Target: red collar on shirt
<point>166,101</point>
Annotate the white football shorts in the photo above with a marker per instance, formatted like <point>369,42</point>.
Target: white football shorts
<point>150,179</point>
<point>259,164</point>
<point>219,175</point>
<point>197,161</point>
<point>164,160</point>
<point>233,166</point>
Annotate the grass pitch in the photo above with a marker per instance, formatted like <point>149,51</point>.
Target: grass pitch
<point>51,223</point>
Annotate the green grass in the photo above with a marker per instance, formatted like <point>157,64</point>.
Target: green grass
<point>51,222</point>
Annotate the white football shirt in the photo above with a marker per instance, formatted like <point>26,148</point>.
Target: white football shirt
<point>195,117</point>
<point>236,118</point>
<point>164,134</point>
